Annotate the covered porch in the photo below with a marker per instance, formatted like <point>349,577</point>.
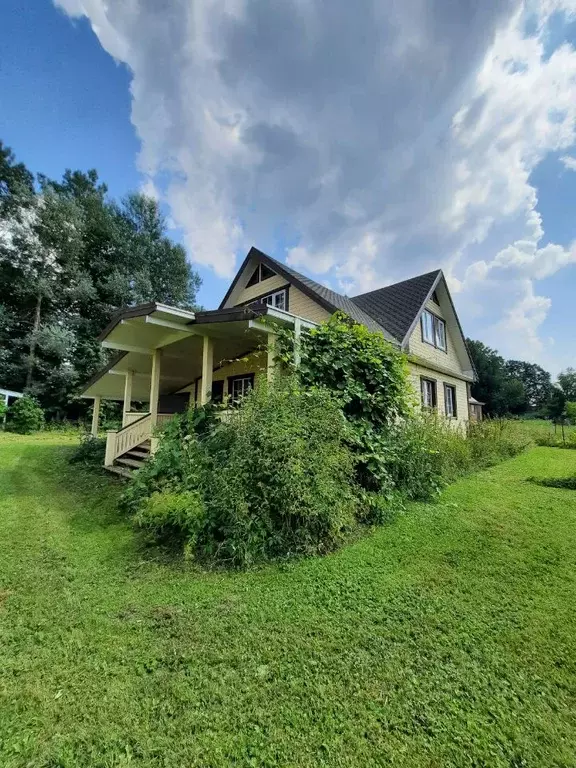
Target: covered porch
<point>168,359</point>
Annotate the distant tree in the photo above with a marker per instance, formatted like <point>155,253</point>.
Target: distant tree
<point>570,409</point>
<point>491,370</point>
<point>535,380</point>
<point>567,383</point>
<point>556,406</point>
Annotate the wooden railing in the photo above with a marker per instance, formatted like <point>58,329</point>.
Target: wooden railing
<point>133,434</point>
<point>130,417</point>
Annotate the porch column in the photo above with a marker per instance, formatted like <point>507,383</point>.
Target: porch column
<point>155,385</point>
<point>95,416</point>
<point>127,395</point>
<point>297,334</point>
<point>271,362</point>
<point>207,368</point>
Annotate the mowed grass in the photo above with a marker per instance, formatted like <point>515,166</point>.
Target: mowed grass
<point>445,639</point>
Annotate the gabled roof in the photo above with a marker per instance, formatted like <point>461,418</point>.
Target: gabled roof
<point>330,300</point>
<point>398,306</point>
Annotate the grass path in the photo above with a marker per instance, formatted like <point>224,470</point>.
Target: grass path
<point>446,639</point>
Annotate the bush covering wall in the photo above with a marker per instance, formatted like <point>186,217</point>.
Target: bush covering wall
<point>331,446</point>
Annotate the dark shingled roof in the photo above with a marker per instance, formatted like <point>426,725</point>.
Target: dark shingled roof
<point>397,306</point>
<point>391,310</point>
<point>337,301</point>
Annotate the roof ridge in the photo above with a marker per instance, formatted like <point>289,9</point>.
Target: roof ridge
<point>400,282</point>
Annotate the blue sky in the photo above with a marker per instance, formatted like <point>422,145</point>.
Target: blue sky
<point>362,143</point>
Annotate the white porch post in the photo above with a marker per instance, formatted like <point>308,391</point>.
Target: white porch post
<point>127,395</point>
<point>207,368</point>
<point>155,385</point>
<point>297,334</point>
<point>271,362</point>
<point>96,416</point>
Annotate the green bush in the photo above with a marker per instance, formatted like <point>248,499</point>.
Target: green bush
<point>90,451</point>
<point>25,416</point>
<point>273,480</point>
<point>367,376</point>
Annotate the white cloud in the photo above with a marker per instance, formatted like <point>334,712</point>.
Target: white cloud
<point>568,162</point>
<point>379,139</point>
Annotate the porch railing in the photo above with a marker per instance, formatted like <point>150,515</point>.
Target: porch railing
<point>133,434</point>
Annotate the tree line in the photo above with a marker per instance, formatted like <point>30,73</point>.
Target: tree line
<point>516,387</point>
<point>69,256</point>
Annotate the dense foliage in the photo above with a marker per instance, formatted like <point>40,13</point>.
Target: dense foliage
<point>70,256</point>
<point>273,480</point>
<point>369,379</point>
<point>90,451</point>
<point>299,464</point>
<point>25,416</point>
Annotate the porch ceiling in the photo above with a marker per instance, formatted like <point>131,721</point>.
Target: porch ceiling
<point>181,358</point>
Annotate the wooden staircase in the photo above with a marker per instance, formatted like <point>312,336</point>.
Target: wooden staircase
<point>126,464</point>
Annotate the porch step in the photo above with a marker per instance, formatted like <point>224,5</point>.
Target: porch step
<point>138,453</point>
<point>129,462</point>
<point>120,471</point>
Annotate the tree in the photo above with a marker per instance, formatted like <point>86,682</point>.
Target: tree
<point>536,382</point>
<point>70,256</point>
<point>556,405</point>
<point>567,383</point>
<point>491,371</point>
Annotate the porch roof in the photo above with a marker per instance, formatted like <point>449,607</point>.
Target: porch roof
<point>136,332</point>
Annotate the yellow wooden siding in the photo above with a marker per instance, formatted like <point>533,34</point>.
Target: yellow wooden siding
<point>448,359</point>
<point>298,303</point>
<point>418,371</point>
<point>302,306</point>
<point>266,286</point>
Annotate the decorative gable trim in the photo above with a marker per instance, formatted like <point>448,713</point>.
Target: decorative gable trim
<point>277,267</point>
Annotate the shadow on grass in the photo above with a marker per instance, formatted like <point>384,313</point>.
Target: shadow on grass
<point>568,483</point>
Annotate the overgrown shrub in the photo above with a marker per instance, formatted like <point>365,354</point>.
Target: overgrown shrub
<point>90,451</point>
<point>367,376</point>
<point>25,416</point>
<point>274,480</point>
<point>559,440</point>
<point>428,452</point>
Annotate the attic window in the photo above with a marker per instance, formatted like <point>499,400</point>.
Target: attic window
<point>262,272</point>
<point>435,298</point>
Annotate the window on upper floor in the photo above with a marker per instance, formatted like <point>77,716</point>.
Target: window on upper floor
<point>450,401</point>
<point>433,330</point>
<point>262,272</point>
<point>277,299</point>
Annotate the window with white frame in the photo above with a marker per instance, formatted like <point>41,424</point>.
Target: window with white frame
<point>433,330</point>
<point>450,401</point>
<point>239,386</point>
<point>276,299</point>
<point>428,387</point>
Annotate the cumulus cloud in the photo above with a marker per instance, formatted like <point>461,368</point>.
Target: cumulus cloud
<point>364,141</point>
<point>568,162</point>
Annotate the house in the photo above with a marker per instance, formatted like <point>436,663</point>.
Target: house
<point>170,358</point>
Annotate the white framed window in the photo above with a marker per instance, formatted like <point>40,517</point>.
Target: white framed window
<point>433,330</point>
<point>239,386</point>
<point>428,326</point>
<point>428,387</point>
<point>276,299</point>
<point>440,333</point>
<point>450,401</point>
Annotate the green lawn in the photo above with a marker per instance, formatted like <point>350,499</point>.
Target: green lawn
<point>445,639</point>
